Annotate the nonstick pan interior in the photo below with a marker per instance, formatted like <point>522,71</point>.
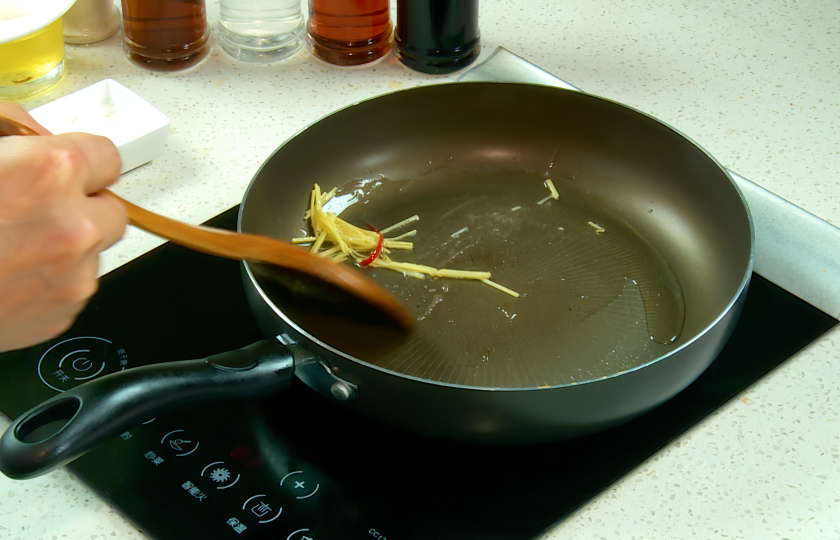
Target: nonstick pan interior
<point>474,158</point>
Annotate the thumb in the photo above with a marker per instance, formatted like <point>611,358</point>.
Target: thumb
<point>15,112</point>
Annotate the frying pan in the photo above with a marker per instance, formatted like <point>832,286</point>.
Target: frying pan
<point>660,290</point>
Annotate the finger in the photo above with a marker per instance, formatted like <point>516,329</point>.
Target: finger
<point>75,270</point>
<point>46,311</point>
<point>68,297</point>
<point>15,112</point>
<point>108,214</point>
<point>57,322</point>
<point>99,156</point>
<point>104,222</point>
<point>75,286</point>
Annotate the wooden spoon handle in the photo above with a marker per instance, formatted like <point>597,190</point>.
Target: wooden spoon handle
<point>249,247</point>
<point>218,242</point>
<point>241,246</point>
<point>9,127</point>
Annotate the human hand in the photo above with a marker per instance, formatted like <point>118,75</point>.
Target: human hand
<point>53,225</point>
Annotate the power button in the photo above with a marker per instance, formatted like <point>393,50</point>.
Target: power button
<point>300,534</point>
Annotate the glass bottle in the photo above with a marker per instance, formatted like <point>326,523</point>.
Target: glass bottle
<point>437,36</point>
<point>349,32</point>
<point>260,30</point>
<point>165,35</point>
<point>90,21</point>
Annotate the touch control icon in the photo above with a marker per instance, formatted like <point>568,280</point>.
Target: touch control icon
<point>299,485</point>
<point>179,442</point>
<point>74,361</point>
<point>219,474</point>
<point>261,507</point>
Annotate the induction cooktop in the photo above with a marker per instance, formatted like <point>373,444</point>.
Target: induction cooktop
<point>297,467</point>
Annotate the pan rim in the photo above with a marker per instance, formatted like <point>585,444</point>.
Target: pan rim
<point>724,312</point>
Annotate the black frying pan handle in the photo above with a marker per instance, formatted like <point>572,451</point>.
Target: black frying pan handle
<point>68,425</point>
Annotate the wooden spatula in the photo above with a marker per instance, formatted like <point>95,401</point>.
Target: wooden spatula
<point>240,246</point>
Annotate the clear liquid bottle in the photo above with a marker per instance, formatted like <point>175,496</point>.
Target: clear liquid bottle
<point>165,35</point>
<point>437,36</point>
<point>349,32</point>
<point>260,30</point>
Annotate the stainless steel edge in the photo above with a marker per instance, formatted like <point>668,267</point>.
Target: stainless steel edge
<point>793,248</point>
<point>504,66</point>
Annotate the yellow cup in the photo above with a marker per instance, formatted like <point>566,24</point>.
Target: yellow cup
<point>32,64</point>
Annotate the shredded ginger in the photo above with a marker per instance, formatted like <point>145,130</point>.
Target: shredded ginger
<point>554,193</point>
<point>598,228</point>
<point>337,240</point>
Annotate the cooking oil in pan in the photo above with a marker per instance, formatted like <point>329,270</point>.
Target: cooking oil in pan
<point>590,305</point>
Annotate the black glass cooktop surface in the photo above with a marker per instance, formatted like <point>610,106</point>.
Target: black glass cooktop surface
<point>296,467</point>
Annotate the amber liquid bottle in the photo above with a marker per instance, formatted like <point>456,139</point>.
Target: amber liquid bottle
<point>349,32</point>
<point>165,35</point>
<point>437,36</point>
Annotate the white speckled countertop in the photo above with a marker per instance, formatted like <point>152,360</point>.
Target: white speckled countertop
<point>754,82</point>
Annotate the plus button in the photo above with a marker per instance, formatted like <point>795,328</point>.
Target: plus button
<point>299,478</point>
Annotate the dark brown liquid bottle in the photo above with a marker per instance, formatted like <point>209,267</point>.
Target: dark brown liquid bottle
<point>165,35</point>
<point>349,32</point>
<point>437,36</point>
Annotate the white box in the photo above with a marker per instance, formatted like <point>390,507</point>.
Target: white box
<point>110,109</point>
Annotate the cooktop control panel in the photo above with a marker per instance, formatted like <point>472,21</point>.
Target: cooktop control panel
<point>207,474</point>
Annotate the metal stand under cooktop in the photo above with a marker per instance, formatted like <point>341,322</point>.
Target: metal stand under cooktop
<point>297,467</point>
